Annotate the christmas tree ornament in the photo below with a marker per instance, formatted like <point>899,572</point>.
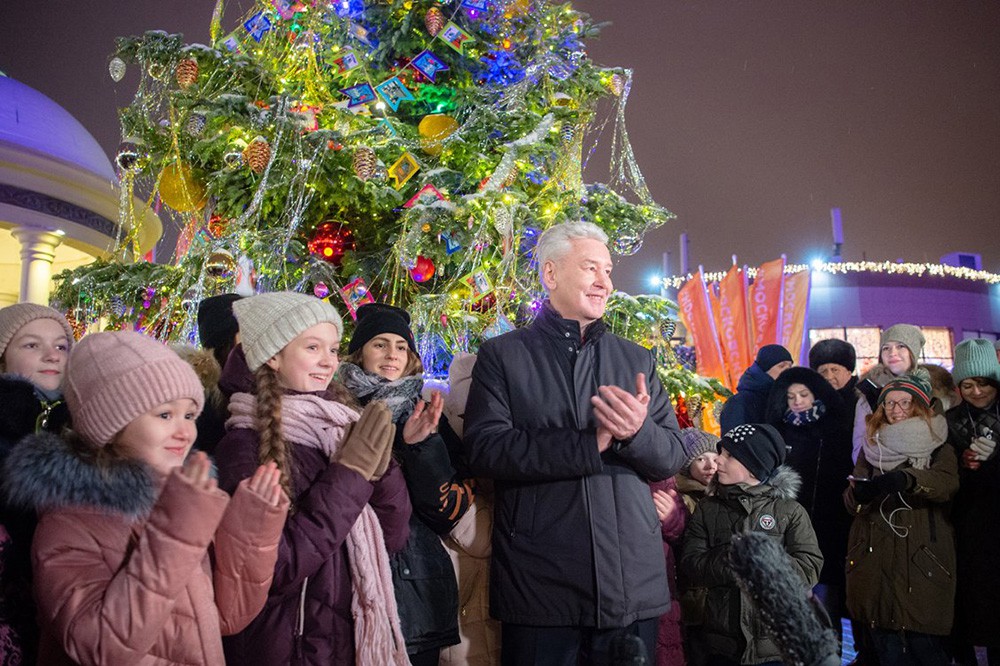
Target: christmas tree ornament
<point>186,73</point>
<point>132,155</point>
<point>355,294</point>
<point>76,320</point>
<point>381,173</point>
<point>364,162</point>
<point>257,155</point>
<point>434,21</point>
<point>321,290</point>
<point>217,225</point>
<point>246,277</point>
<point>616,84</point>
<point>567,132</point>
<point>404,169</point>
<point>503,220</point>
<point>329,242</point>
<point>190,301</point>
<point>627,241</point>
<point>195,124</point>
<point>157,70</point>
<point>220,264</point>
<point>180,189</point>
<point>423,269</point>
<point>116,68</point>
<point>434,129</point>
<point>233,159</point>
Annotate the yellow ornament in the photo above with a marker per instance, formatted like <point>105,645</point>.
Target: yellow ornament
<point>434,129</point>
<point>179,188</point>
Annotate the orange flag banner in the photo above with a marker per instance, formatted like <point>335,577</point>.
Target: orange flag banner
<point>732,323</point>
<point>765,300</point>
<point>794,308</point>
<point>697,316</point>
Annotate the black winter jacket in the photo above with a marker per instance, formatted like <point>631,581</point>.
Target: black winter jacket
<point>576,539</point>
<point>749,403</point>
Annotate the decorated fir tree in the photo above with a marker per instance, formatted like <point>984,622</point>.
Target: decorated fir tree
<point>401,150</point>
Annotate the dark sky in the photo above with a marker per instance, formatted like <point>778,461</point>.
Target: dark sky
<point>749,118</point>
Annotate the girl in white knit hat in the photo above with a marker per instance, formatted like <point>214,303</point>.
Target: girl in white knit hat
<point>122,569</point>
<point>331,600</point>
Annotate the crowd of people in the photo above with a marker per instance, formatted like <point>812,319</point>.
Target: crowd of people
<point>263,500</point>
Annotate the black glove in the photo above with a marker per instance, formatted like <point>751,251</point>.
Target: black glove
<point>890,482</point>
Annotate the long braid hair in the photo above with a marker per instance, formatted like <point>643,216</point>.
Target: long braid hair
<point>273,446</point>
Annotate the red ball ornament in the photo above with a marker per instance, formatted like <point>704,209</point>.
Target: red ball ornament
<point>330,241</point>
<point>423,270</point>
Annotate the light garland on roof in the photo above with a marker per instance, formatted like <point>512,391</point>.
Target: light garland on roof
<point>889,267</point>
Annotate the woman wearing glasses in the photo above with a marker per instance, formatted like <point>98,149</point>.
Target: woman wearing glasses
<point>974,430</point>
<point>901,554</point>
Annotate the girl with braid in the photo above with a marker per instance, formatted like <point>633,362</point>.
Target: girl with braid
<point>331,600</point>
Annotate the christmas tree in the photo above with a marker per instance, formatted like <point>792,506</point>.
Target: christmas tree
<point>409,151</point>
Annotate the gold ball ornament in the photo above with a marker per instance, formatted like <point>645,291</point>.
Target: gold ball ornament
<point>257,155</point>
<point>186,73</point>
<point>434,21</point>
<point>434,129</point>
<point>220,264</point>
<point>180,189</point>
<point>364,162</point>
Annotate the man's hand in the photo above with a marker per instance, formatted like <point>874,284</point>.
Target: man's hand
<point>618,411</point>
<point>424,419</point>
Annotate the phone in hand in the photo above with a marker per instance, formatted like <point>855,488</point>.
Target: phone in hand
<point>851,477</point>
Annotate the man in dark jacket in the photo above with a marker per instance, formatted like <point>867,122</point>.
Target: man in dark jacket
<point>552,418</point>
<point>749,404</point>
<point>836,361</point>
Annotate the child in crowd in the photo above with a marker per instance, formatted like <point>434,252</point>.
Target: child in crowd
<point>331,601</point>
<point>383,365</point>
<point>122,569</point>
<point>673,516</point>
<point>34,344</point>
<point>702,463</point>
<point>755,492</point>
<point>218,333</point>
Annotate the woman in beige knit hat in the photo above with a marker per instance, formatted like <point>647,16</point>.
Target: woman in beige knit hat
<point>122,569</point>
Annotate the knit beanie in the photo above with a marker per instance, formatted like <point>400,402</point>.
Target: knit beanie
<point>975,358</point>
<point>833,351</point>
<point>113,378</point>
<point>758,446</point>
<point>695,442</point>
<point>996,345</point>
<point>917,384</point>
<point>771,355</point>
<point>270,321</point>
<point>376,318</point>
<point>13,317</point>
<point>910,336</point>
<point>216,323</point>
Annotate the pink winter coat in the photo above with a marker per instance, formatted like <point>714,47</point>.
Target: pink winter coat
<point>123,576</point>
<point>669,636</point>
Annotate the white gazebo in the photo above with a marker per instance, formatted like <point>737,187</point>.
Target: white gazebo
<point>59,196</point>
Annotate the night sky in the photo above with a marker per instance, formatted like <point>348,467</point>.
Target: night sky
<point>749,118</point>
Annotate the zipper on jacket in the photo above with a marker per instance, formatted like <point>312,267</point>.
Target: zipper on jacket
<point>300,620</point>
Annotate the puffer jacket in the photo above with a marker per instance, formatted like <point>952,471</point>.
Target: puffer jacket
<point>820,451</point>
<point>563,509</point>
<point>307,616</point>
<point>749,403</point>
<point>24,411</point>
<point>123,574</point>
<point>975,515</point>
<point>901,576</point>
<point>732,625</point>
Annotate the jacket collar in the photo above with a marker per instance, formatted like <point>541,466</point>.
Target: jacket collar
<point>554,325</point>
<point>784,484</point>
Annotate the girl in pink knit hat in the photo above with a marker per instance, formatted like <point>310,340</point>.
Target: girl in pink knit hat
<point>126,518</point>
<point>331,600</point>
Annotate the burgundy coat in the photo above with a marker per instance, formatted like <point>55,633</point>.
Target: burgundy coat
<point>669,636</point>
<point>312,580</point>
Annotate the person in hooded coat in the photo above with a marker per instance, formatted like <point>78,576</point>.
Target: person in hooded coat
<point>749,403</point>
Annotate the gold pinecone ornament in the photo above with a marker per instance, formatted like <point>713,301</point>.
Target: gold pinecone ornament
<point>186,73</point>
<point>434,21</point>
<point>257,155</point>
<point>364,162</point>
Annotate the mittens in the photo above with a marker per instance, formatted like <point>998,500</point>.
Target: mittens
<point>366,447</point>
<point>984,447</point>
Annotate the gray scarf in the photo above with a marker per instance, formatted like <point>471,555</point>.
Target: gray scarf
<point>399,395</point>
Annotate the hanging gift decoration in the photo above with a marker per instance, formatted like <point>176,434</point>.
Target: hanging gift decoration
<point>364,162</point>
<point>394,92</point>
<point>455,37</point>
<point>433,21</point>
<point>355,294</point>
<point>451,246</point>
<point>344,61</point>
<point>180,189</point>
<point>428,64</point>
<point>186,73</point>
<point>330,241</point>
<point>257,155</point>
<point>434,129</point>
<point>423,270</point>
<point>258,25</point>
<point>359,94</point>
<point>404,169</point>
<point>427,195</point>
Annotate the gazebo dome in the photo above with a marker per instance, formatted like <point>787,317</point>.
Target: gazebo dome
<point>33,121</point>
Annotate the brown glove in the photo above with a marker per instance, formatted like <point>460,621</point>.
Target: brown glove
<point>368,441</point>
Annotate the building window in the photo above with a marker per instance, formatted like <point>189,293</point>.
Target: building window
<point>938,348</point>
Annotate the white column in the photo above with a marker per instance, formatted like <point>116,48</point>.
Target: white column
<point>38,250</point>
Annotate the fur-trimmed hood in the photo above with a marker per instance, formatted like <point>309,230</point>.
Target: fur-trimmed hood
<point>784,484</point>
<point>44,472</point>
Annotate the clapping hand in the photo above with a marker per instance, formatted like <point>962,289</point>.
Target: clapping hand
<point>266,483</point>
<point>424,419</point>
<point>666,503</point>
<point>619,413</point>
<point>197,471</point>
